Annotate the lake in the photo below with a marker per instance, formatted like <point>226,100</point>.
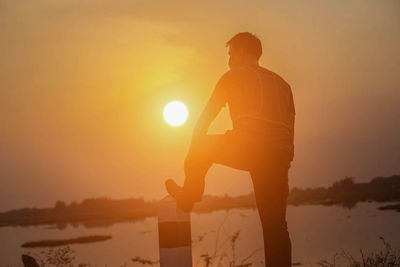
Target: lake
<point>317,233</point>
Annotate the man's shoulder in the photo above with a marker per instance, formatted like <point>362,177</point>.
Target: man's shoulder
<point>226,78</point>
<point>229,74</point>
<point>276,76</point>
<point>236,74</point>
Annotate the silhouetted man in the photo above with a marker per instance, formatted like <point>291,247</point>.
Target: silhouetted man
<point>262,111</point>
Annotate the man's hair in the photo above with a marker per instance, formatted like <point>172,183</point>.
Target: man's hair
<point>247,42</point>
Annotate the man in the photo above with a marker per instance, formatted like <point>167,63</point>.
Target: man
<point>262,111</point>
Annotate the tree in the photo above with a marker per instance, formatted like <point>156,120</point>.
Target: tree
<point>346,183</point>
<point>60,205</point>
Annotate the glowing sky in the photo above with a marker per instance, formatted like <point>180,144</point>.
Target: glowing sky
<point>83,85</point>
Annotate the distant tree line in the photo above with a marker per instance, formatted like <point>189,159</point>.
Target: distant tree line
<point>104,211</point>
<point>347,193</point>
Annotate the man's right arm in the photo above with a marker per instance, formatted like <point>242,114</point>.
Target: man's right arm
<point>215,103</point>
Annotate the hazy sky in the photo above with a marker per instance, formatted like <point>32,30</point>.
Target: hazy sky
<point>83,85</point>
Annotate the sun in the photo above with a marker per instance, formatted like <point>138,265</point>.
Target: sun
<point>175,113</point>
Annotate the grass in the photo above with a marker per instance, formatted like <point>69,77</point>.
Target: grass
<point>224,253</point>
<point>386,257</point>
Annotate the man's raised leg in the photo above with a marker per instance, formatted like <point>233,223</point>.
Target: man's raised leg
<point>196,165</point>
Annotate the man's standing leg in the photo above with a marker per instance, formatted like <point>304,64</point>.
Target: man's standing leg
<point>271,190</point>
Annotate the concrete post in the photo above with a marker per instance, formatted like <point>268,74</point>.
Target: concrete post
<point>174,235</point>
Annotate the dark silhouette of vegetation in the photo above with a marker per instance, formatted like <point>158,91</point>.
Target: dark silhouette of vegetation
<point>60,257</point>
<point>105,211</point>
<point>63,242</point>
<point>391,207</point>
<point>142,261</point>
<point>347,193</point>
<point>383,258</point>
<point>224,254</point>
<point>29,261</point>
<point>90,212</point>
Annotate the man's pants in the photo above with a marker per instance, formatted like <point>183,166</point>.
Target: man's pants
<point>268,161</point>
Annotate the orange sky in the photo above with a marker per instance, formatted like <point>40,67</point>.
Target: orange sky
<point>83,85</point>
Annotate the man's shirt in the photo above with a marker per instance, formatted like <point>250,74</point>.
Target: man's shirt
<point>258,99</point>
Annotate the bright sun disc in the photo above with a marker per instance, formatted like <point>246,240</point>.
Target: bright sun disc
<point>175,113</point>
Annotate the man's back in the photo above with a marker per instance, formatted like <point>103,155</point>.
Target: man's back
<point>259,100</point>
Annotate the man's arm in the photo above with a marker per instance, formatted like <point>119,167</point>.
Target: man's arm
<point>211,110</point>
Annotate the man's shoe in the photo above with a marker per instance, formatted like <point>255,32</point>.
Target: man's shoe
<point>176,191</point>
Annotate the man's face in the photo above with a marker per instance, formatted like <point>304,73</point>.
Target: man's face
<point>235,57</point>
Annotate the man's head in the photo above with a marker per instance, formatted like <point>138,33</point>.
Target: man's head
<point>244,48</point>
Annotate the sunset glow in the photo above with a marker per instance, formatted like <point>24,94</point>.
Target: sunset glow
<point>85,89</point>
<point>199,133</point>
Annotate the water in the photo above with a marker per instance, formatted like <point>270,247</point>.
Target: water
<point>317,233</point>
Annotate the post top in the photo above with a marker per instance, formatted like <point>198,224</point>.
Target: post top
<point>168,211</point>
